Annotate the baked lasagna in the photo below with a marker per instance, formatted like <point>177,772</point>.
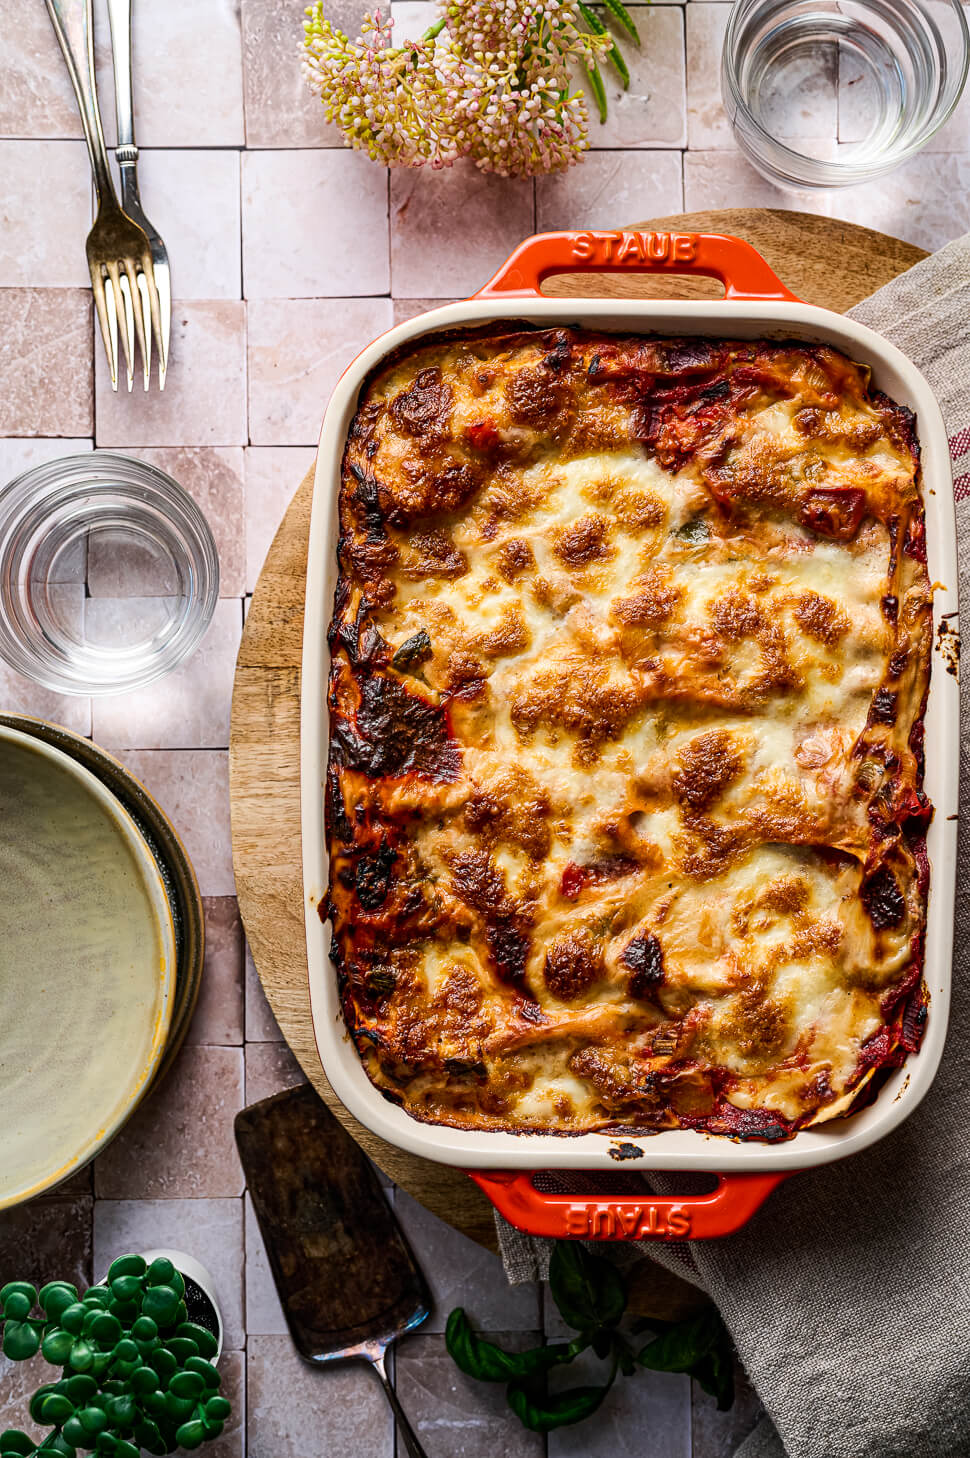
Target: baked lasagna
<point>624,805</point>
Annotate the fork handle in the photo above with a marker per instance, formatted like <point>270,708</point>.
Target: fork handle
<point>119,19</point>
<point>74,28</point>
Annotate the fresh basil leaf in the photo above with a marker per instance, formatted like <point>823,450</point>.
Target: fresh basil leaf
<point>541,1413</point>
<point>715,1373</point>
<point>489,1363</point>
<point>701,1346</point>
<point>587,1288</point>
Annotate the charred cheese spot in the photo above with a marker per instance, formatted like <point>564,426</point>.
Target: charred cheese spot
<point>821,618</point>
<point>584,541</point>
<point>573,963</point>
<point>624,804</point>
<point>515,557</point>
<point>708,764</point>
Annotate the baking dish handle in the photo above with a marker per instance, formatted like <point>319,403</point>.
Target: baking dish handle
<point>625,1217</point>
<point>741,268</point>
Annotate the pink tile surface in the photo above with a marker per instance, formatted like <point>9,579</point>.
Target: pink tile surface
<point>261,1026</point>
<point>191,196</point>
<point>46,362</point>
<point>314,224</point>
<point>652,112</point>
<point>194,1110</point>
<point>450,230</point>
<point>611,188</point>
<point>220,1011</point>
<point>298,349</point>
<point>189,708</point>
<point>270,1068</point>
<point>213,477</point>
<point>210,1229</point>
<point>19,695</point>
<point>204,400</point>
<point>707,123</point>
<point>724,179</point>
<point>293,1408</point>
<point>281,110</point>
<point>17,456</point>
<point>45,214</point>
<point>273,474</point>
<point>193,54</point>
<point>192,785</point>
<point>36,99</point>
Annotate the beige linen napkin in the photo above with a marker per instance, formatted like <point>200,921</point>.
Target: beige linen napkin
<point>848,1294</point>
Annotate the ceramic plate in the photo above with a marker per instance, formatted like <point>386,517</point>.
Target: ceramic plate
<point>87,965</point>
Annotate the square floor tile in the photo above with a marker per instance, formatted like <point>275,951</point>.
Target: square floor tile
<point>652,112</point>
<point>281,109</point>
<point>261,1025</point>
<point>45,214</point>
<point>273,474</point>
<point>189,707</point>
<point>187,64</point>
<point>264,1313</point>
<point>46,362</point>
<point>293,1409</point>
<point>719,1434</point>
<point>314,224</point>
<point>232,1441</point>
<point>213,477</point>
<point>430,256</point>
<point>20,695</point>
<point>191,195</point>
<point>210,1230</point>
<point>707,123</point>
<point>643,1416</point>
<point>36,99</point>
<point>204,400</point>
<point>298,349</point>
<point>179,1142</point>
<point>453,1414</point>
<point>609,190</point>
<point>47,1240</point>
<point>270,1068</point>
<point>926,201</point>
<point>192,787</point>
<point>727,180</point>
<point>219,1011</point>
<point>460,1272</point>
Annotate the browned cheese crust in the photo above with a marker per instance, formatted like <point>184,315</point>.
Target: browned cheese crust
<point>630,653</point>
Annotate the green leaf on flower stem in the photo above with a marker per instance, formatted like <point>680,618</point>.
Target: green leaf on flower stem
<point>81,1388</point>
<point>489,1363</point>
<point>541,1413</point>
<point>208,1373</point>
<point>21,1339</point>
<point>217,1409</point>
<point>613,54</point>
<point>619,10</point>
<point>126,1288</point>
<point>598,90</point>
<point>587,1288</point>
<point>124,1449</point>
<point>182,1348</point>
<point>96,1296</point>
<point>55,1408</point>
<point>144,1329</point>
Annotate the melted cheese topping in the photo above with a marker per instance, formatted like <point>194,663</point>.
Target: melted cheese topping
<point>630,654</point>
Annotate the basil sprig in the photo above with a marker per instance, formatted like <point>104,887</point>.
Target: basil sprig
<point>591,1296</point>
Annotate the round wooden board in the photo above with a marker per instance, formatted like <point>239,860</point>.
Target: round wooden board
<point>824,262</point>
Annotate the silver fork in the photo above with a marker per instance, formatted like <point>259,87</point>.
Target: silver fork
<point>118,250</point>
<point>126,155</point>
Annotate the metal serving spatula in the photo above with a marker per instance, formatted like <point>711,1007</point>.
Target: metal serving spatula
<point>347,1279</point>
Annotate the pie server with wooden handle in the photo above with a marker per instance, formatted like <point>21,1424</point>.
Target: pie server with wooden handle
<point>346,1277</point>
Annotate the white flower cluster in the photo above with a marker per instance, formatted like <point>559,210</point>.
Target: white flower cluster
<point>493,80</point>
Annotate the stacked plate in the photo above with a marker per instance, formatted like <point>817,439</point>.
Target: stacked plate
<point>101,945</point>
